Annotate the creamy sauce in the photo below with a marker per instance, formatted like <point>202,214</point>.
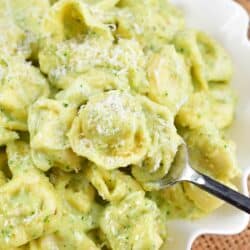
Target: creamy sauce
<point>95,98</point>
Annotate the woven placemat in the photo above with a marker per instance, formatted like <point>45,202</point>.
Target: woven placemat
<point>236,242</point>
<point>245,3</point>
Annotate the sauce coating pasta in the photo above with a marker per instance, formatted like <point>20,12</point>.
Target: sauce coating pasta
<point>95,98</point>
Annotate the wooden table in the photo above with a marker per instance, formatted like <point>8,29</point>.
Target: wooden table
<point>245,3</point>
<point>236,242</point>
<point>216,242</point>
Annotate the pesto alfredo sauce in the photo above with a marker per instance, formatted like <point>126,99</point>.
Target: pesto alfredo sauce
<point>95,98</point>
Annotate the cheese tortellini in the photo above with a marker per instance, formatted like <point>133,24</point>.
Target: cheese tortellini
<point>110,130</point>
<point>164,144</point>
<point>169,78</point>
<point>28,209</point>
<point>123,226</point>
<point>152,23</point>
<point>20,25</point>
<point>206,107</point>
<point>111,185</point>
<point>49,122</point>
<point>211,153</point>
<point>209,61</point>
<point>96,96</point>
<point>21,84</point>
<point>79,214</point>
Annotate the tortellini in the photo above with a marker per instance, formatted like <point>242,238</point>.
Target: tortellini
<point>28,208</point>
<point>174,203</point>
<point>80,213</point>
<point>164,144</point>
<point>49,122</point>
<point>123,61</point>
<point>90,83</point>
<point>70,33</point>
<point>69,19</point>
<point>209,61</point>
<point>64,56</point>
<point>75,190</point>
<point>111,185</point>
<point>28,16</point>
<point>12,37</point>
<point>169,79</point>
<point>110,130</point>
<point>20,25</point>
<point>206,107</point>
<point>211,153</point>
<point>21,84</point>
<point>153,25</point>
<point>223,100</point>
<point>203,200</point>
<point>137,228</point>
<point>195,112</point>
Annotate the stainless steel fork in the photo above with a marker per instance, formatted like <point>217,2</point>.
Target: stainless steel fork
<point>182,171</point>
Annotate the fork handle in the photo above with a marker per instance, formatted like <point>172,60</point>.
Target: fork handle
<point>221,191</point>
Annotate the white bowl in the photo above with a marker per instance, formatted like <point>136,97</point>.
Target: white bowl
<point>226,21</point>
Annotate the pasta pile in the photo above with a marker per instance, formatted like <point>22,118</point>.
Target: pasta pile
<point>95,98</point>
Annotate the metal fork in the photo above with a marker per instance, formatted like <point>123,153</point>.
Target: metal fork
<point>182,171</point>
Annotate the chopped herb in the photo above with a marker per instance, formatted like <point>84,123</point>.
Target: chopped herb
<point>46,219</point>
<point>67,167</point>
<point>6,233</point>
